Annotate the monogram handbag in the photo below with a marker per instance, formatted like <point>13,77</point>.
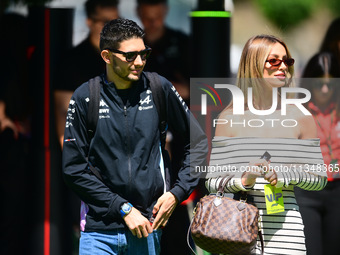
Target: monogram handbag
<point>225,225</point>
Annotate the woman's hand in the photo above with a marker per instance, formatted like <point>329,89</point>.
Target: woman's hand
<point>271,177</point>
<point>257,168</point>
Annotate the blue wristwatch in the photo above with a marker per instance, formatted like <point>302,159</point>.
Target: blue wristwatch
<point>125,209</point>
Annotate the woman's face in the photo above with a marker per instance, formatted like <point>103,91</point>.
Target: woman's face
<point>322,91</point>
<point>276,75</point>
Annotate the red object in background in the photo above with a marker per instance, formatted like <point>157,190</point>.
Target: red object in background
<point>47,223</point>
<point>191,198</point>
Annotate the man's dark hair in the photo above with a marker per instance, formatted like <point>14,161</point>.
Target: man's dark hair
<point>118,30</point>
<point>91,6</point>
<point>139,2</point>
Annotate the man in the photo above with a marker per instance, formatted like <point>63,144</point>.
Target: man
<point>71,73</point>
<point>126,210</point>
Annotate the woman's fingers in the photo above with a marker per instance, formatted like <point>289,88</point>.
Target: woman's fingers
<point>271,177</point>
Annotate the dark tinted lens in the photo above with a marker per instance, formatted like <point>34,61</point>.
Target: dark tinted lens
<point>145,54</point>
<point>131,56</point>
<point>289,61</point>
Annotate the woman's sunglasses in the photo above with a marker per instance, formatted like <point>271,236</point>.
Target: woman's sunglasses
<point>132,55</point>
<point>277,62</point>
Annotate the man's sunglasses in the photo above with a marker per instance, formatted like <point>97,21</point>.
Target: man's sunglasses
<point>277,62</point>
<point>132,55</point>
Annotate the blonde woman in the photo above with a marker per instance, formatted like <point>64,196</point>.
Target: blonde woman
<point>266,66</point>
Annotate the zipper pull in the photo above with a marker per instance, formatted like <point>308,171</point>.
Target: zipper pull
<point>125,112</point>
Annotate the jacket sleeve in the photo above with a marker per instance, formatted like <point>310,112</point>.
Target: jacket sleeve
<point>184,124</point>
<point>76,173</point>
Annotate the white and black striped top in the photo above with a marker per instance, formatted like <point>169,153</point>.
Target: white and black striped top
<point>297,162</point>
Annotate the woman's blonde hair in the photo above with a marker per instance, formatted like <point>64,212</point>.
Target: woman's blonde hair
<point>253,58</point>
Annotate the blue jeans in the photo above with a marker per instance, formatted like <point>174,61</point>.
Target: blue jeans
<point>119,242</point>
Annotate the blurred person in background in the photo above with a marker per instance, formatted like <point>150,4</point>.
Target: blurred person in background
<point>331,41</point>
<point>320,210</point>
<point>15,138</point>
<point>170,47</point>
<point>77,66</point>
<point>170,58</point>
<point>84,61</point>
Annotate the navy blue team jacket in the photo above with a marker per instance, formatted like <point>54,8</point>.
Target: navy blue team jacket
<point>126,151</point>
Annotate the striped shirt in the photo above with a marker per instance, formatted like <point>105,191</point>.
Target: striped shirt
<point>296,162</point>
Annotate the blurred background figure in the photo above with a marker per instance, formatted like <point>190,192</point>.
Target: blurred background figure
<point>77,66</point>
<point>320,210</point>
<point>170,48</point>
<point>15,109</point>
<point>84,61</point>
<point>331,41</point>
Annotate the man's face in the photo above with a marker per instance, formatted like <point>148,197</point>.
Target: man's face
<point>124,70</point>
<point>152,16</point>
<point>97,21</point>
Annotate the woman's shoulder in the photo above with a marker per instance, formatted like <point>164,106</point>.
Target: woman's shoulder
<point>298,113</point>
<point>305,120</point>
<point>226,112</point>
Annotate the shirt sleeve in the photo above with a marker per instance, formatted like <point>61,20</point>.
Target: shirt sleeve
<point>307,177</point>
<point>302,176</point>
<point>76,173</point>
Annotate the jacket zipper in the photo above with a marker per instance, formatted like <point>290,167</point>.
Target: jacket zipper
<point>128,144</point>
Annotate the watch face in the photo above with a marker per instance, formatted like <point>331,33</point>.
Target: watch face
<point>126,208</point>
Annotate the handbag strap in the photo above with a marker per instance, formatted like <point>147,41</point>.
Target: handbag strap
<point>261,240</point>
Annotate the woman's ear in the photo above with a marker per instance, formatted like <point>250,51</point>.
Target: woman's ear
<point>106,56</point>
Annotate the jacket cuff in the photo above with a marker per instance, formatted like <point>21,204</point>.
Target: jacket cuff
<point>179,193</point>
<point>114,208</point>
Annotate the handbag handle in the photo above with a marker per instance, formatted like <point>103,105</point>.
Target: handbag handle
<point>223,184</point>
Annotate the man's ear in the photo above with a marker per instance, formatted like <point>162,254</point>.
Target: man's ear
<point>89,22</point>
<point>106,56</point>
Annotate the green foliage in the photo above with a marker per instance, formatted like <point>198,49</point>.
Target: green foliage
<point>285,14</point>
<point>334,6</point>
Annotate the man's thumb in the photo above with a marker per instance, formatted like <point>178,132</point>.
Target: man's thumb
<point>156,208</point>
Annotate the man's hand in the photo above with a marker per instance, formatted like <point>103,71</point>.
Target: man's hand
<point>138,224</point>
<point>7,123</point>
<point>164,207</point>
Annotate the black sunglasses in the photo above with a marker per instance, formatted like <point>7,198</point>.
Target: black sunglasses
<point>132,55</point>
<point>277,62</point>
